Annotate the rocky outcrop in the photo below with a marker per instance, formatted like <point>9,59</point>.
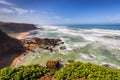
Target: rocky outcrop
<point>10,48</point>
<point>43,43</point>
<point>49,42</point>
<point>53,65</point>
<point>16,27</point>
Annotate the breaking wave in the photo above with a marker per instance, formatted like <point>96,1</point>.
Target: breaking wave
<point>88,45</point>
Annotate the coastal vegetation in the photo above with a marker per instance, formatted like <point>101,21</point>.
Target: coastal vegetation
<point>31,72</point>
<point>87,71</point>
<point>72,71</point>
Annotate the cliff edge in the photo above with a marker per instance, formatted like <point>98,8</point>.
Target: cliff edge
<point>10,48</point>
<point>16,27</point>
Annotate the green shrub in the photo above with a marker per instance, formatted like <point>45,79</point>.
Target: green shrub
<point>31,72</point>
<point>87,71</point>
<point>73,71</point>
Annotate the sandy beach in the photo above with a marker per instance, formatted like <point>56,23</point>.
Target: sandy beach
<point>21,36</point>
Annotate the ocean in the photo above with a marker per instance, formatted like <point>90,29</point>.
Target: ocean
<point>97,44</point>
<point>109,27</point>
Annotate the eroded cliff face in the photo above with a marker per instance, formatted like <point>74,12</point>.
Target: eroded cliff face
<point>10,48</point>
<point>16,27</point>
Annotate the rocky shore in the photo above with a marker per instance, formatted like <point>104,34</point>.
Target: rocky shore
<point>31,43</point>
<point>11,48</point>
<point>44,43</point>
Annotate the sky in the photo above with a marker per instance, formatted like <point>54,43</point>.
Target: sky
<point>60,11</point>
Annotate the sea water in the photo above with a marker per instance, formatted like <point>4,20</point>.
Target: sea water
<point>98,44</point>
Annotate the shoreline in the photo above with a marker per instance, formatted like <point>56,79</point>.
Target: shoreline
<point>21,36</point>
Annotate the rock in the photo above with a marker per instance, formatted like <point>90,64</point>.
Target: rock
<point>51,50</point>
<point>43,43</point>
<point>52,65</point>
<point>62,47</point>
<point>60,42</point>
<point>107,65</point>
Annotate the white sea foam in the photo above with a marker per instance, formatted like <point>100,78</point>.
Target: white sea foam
<point>93,34</point>
<point>68,31</point>
<point>66,45</point>
<point>103,31</point>
<point>87,56</point>
<point>50,27</point>
<point>89,35</point>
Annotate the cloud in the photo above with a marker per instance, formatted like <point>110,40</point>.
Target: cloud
<point>21,11</point>
<point>31,11</point>
<point>6,3</point>
<point>7,11</point>
<point>13,9</point>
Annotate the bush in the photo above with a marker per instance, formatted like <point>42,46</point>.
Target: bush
<point>73,71</point>
<point>87,71</point>
<point>31,72</point>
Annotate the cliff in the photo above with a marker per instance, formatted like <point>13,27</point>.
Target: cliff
<point>16,27</point>
<point>10,48</point>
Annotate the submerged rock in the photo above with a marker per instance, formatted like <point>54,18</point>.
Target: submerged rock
<point>62,47</point>
<point>106,65</point>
